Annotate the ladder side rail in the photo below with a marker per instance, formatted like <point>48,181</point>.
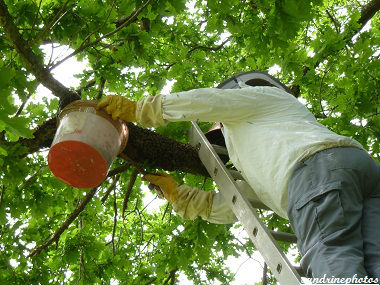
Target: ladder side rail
<point>246,214</point>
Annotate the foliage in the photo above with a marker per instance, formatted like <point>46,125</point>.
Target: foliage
<point>134,50</point>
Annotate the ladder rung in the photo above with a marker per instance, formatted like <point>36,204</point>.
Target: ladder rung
<point>236,175</point>
<point>220,149</point>
<point>300,271</point>
<point>286,237</point>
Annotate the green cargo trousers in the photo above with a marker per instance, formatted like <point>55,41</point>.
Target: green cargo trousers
<point>334,209</point>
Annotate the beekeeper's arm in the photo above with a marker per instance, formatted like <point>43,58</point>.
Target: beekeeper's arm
<point>190,202</point>
<point>204,104</point>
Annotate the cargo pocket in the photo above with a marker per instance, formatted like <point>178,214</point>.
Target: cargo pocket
<point>319,214</point>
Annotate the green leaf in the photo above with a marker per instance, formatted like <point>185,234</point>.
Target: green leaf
<point>15,127</point>
<point>3,151</point>
<point>6,74</point>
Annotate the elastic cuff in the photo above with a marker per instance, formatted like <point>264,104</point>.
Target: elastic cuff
<point>149,111</point>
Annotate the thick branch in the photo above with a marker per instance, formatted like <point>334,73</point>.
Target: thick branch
<point>33,62</point>
<point>145,146</point>
<point>368,11</point>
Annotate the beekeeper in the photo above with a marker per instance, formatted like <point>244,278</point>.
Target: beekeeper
<point>325,184</point>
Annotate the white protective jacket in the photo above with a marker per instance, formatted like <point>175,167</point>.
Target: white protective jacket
<point>266,131</point>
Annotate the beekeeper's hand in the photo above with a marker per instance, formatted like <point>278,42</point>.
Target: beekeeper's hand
<point>166,183</point>
<point>119,107</point>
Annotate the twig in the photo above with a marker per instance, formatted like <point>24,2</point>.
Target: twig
<point>55,236</point>
<point>101,27</point>
<point>31,178</point>
<point>147,205</point>
<point>35,19</point>
<point>22,105</point>
<point>50,24</point>
<point>51,54</point>
<point>265,271</point>
<point>101,87</point>
<point>114,222</point>
<point>118,169</point>
<point>134,163</point>
<point>210,48</point>
<point>171,277</point>
<point>141,231</point>
<point>245,247</point>
<point>86,87</point>
<point>237,270</point>
<point>335,22</point>
<point>166,210</point>
<point>132,181</point>
<point>151,281</point>
<point>2,194</point>
<point>147,244</point>
<point>109,189</point>
<point>81,265</point>
<point>83,47</point>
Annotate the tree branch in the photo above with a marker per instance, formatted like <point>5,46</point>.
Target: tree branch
<point>101,88</point>
<point>2,194</point>
<point>101,27</point>
<point>216,48</point>
<point>42,34</point>
<point>114,223</point>
<point>35,19</point>
<point>118,170</point>
<point>32,61</point>
<point>265,272</point>
<point>23,105</point>
<point>128,192</point>
<point>171,277</point>
<point>55,236</point>
<point>334,21</point>
<point>86,87</point>
<point>368,11</point>
<point>130,20</point>
<point>110,188</point>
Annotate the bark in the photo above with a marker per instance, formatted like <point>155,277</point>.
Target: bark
<point>368,11</point>
<point>145,146</point>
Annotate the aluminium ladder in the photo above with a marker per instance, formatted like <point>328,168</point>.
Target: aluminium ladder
<point>262,238</point>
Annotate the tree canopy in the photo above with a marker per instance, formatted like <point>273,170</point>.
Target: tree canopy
<point>326,51</point>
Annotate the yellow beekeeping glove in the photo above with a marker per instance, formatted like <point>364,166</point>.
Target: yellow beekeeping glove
<point>166,183</point>
<point>119,107</point>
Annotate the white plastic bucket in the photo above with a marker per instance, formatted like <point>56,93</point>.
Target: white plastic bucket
<point>85,144</point>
